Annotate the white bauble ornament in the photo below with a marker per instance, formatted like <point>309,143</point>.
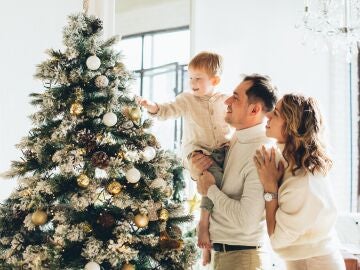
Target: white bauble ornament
<point>133,175</point>
<point>149,153</point>
<point>93,62</point>
<point>109,119</point>
<point>101,81</point>
<point>92,266</point>
<point>158,183</point>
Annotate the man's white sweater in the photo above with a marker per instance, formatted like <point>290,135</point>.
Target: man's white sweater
<point>238,213</point>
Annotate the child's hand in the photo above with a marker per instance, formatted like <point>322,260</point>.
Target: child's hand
<point>151,107</point>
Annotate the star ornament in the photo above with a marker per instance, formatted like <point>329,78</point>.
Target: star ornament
<point>194,203</point>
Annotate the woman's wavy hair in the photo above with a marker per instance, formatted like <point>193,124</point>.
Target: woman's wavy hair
<point>302,128</point>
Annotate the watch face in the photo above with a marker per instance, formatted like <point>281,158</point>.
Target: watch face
<point>268,197</point>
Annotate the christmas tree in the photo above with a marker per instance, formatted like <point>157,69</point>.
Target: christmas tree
<point>95,190</point>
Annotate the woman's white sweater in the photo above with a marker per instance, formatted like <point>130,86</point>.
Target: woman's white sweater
<point>305,217</point>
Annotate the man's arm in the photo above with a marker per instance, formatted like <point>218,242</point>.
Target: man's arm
<point>246,212</point>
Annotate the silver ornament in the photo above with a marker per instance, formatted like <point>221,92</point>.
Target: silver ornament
<point>133,175</point>
<point>101,81</point>
<point>109,119</point>
<point>148,153</point>
<point>92,266</point>
<point>93,62</point>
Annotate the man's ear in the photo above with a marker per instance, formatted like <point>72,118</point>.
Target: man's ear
<point>215,80</point>
<point>255,108</point>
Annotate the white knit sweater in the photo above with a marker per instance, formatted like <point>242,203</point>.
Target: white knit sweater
<point>305,217</point>
<point>204,121</point>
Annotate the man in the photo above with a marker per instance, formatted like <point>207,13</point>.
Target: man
<point>237,221</point>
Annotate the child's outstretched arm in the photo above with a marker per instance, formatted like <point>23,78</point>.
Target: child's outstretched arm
<point>164,111</point>
<point>151,107</point>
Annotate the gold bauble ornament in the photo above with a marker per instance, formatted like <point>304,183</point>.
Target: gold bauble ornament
<point>164,214</point>
<point>83,181</point>
<point>39,217</point>
<point>135,114</point>
<point>141,220</point>
<point>114,188</point>
<point>87,228</point>
<point>76,108</point>
<point>128,266</point>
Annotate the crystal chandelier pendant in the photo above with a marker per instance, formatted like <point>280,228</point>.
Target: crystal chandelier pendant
<point>336,22</point>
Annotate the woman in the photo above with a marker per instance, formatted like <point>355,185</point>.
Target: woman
<point>300,211</point>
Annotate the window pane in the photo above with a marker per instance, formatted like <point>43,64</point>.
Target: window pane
<point>171,47</point>
<point>159,86</point>
<point>148,51</point>
<point>131,50</point>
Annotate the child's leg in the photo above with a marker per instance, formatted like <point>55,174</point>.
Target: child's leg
<point>203,229</point>
<point>206,256</point>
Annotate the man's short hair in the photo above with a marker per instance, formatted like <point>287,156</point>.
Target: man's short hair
<point>261,90</point>
<point>210,62</point>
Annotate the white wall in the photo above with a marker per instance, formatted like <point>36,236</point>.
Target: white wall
<point>28,28</point>
<point>140,16</point>
<point>260,36</point>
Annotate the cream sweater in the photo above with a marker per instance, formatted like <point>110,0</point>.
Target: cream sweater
<point>305,217</point>
<point>204,121</point>
<point>238,213</point>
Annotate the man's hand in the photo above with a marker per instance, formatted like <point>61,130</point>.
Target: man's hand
<point>206,180</point>
<point>199,163</point>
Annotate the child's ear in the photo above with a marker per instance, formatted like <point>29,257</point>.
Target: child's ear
<point>215,80</point>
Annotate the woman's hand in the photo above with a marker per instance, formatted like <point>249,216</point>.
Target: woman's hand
<point>269,172</point>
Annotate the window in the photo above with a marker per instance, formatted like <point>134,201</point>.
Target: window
<point>159,60</point>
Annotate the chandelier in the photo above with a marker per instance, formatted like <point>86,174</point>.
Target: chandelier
<point>337,22</point>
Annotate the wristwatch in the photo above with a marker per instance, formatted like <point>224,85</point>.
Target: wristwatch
<point>269,196</point>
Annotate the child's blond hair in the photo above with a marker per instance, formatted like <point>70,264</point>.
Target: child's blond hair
<point>210,62</point>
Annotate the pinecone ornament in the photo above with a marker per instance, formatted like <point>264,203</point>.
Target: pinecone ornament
<point>106,220</point>
<point>100,160</point>
<point>175,232</point>
<point>87,139</point>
